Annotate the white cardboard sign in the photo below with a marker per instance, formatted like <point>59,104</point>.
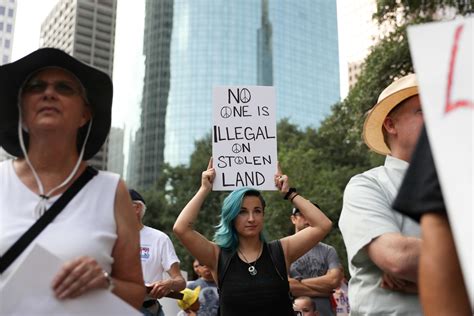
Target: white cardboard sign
<point>244,139</point>
<point>443,59</point>
<point>28,292</point>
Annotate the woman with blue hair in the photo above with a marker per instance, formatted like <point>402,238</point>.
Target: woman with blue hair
<point>255,271</point>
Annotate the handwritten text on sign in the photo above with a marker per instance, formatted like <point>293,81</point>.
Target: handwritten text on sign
<point>442,55</point>
<point>244,143</point>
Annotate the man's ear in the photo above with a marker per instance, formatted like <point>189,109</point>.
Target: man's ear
<point>293,219</point>
<point>389,125</point>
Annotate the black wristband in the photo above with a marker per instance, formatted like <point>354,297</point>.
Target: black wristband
<point>287,195</point>
<point>291,200</point>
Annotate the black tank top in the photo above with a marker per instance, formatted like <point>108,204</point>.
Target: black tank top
<point>263,294</point>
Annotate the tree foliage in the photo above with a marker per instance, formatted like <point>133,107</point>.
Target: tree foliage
<point>397,13</point>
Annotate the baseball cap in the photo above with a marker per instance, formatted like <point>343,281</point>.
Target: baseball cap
<point>136,196</point>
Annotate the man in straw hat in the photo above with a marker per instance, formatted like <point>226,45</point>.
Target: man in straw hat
<point>383,245</point>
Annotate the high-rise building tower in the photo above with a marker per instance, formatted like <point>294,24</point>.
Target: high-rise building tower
<point>150,137</point>
<point>292,45</point>
<point>86,30</point>
<point>115,158</point>
<point>7,25</point>
<point>264,49</point>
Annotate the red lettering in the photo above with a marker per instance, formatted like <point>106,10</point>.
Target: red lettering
<point>452,105</point>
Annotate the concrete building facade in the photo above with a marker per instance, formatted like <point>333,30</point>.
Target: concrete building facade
<point>84,29</point>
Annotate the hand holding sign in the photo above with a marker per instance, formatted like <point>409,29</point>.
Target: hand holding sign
<point>281,181</point>
<point>208,176</point>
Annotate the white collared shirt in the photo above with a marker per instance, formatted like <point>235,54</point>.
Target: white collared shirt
<point>366,214</point>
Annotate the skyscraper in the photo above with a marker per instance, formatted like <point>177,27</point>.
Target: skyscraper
<point>292,45</point>
<point>150,137</point>
<point>7,26</point>
<point>115,158</point>
<point>84,29</point>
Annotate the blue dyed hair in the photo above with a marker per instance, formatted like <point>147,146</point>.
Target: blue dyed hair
<point>226,235</point>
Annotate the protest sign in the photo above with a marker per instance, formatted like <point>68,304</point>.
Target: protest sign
<point>244,140</point>
<point>443,59</point>
<point>28,291</point>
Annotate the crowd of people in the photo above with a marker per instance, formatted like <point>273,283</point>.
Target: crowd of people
<point>55,114</point>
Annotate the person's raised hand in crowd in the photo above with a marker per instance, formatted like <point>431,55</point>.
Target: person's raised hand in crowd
<point>281,181</point>
<point>207,177</point>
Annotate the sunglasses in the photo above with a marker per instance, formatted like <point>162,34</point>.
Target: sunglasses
<point>61,87</point>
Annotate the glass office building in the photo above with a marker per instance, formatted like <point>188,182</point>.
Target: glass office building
<point>149,140</point>
<point>291,45</point>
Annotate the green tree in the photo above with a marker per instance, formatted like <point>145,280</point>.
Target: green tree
<point>397,13</point>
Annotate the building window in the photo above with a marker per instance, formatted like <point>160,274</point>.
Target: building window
<point>7,43</point>
<point>9,28</point>
<point>10,13</point>
<point>2,10</point>
<point>5,59</point>
<point>1,26</point>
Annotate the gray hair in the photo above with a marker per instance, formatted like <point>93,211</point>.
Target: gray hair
<point>142,209</point>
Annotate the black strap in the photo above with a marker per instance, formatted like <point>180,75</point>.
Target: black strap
<point>278,258</point>
<point>223,262</point>
<point>20,245</point>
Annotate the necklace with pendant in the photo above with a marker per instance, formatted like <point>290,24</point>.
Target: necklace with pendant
<point>252,270</point>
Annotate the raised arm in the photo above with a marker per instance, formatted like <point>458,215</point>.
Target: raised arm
<point>198,245</point>
<point>296,245</point>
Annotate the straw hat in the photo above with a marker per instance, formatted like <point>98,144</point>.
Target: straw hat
<point>97,84</point>
<point>190,297</point>
<point>398,91</point>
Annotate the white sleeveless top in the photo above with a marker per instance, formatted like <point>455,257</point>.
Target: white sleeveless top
<point>85,227</point>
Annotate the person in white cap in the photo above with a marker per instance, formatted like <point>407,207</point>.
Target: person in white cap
<point>383,246</point>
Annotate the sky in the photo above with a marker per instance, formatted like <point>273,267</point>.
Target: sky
<point>29,16</point>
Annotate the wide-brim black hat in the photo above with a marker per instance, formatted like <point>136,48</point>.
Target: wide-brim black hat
<point>98,86</point>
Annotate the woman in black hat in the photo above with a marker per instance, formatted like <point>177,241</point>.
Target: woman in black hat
<point>55,114</point>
